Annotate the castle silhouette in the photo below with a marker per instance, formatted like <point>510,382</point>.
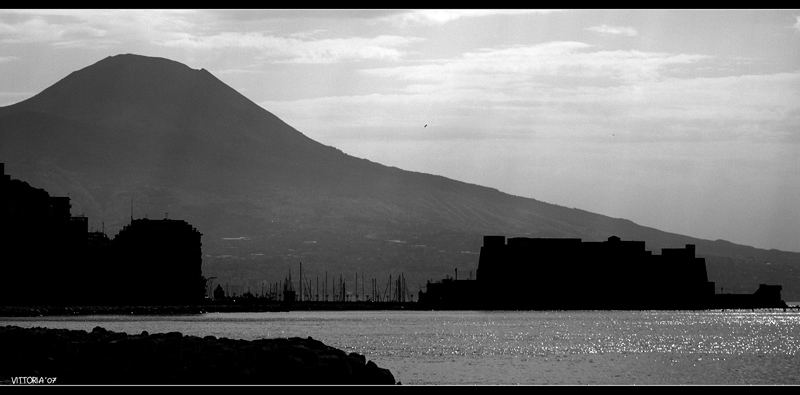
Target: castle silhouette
<point>563,273</point>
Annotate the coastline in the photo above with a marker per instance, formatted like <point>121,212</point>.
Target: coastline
<point>106,357</point>
<point>78,310</point>
<point>52,311</point>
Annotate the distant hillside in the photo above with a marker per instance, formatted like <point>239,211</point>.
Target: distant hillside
<point>179,142</point>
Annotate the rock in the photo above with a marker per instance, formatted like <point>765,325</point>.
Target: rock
<point>105,357</point>
<point>362,360</point>
<point>381,375</point>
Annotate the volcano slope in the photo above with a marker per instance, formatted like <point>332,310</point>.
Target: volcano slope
<point>140,136</point>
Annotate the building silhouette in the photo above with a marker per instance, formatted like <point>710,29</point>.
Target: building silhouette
<point>219,293</point>
<point>39,240</point>
<point>568,273</point>
<point>50,257</point>
<point>161,261</point>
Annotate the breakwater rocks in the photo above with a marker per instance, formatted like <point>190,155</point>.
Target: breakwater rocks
<point>105,357</point>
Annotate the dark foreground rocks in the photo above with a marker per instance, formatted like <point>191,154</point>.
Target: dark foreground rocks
<point>104,357</point>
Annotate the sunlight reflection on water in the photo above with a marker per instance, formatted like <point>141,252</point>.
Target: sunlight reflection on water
<point>581,347</point>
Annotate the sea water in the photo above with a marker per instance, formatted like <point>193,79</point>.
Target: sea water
<point>510,347</point>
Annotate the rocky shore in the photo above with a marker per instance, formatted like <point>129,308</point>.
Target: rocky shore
<point>105,357</point>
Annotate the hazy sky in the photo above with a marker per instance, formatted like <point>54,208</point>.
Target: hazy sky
<point>687,121</point>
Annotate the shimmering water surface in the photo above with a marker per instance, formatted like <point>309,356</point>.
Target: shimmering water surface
<point>581,347</point>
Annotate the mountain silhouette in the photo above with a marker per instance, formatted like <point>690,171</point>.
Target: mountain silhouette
<point>177,141</point>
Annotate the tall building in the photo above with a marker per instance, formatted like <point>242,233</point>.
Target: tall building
<point>50,257</point>
<point>39,243</point>
<point>160,261</point>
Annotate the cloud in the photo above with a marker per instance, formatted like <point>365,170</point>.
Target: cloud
<point>308,33</point>
<point>614,30</point>
<point>240,70</point>
<point>298,50</point>
<point>190,30</point>
<point>267,15</point>
<point>91,28</point>
<point>6,59</point>
<point>563,59</point>
<point>557,90</point>
<point>797,23</point>
<point>440,17</point>
<point>39,29</point>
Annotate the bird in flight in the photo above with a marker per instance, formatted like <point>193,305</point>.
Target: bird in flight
<point>426,125</point>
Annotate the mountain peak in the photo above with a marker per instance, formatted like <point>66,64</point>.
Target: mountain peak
<point>129,60</point>
<point>129,89</point>
<point>181,114</point>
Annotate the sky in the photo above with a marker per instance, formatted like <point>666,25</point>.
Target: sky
<point>683,120</point>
